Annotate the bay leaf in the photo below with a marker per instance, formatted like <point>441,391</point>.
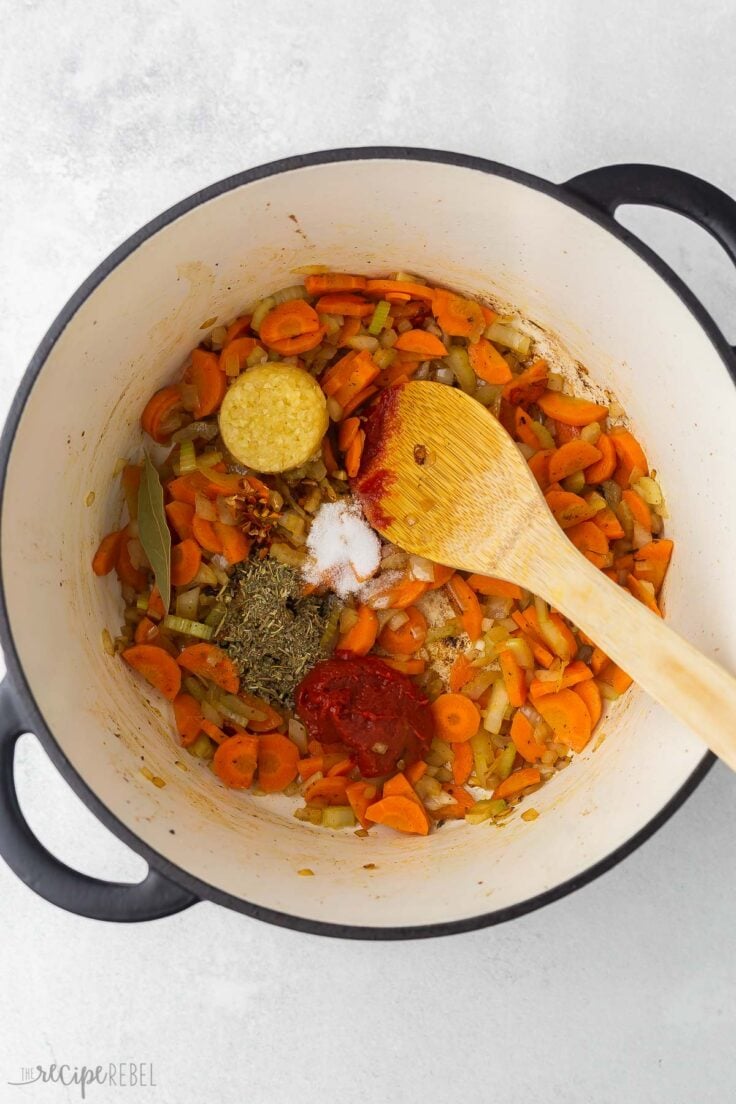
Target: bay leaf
<point>153,531</point>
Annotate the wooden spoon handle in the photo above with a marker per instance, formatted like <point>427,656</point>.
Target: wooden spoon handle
<point>688,684</point>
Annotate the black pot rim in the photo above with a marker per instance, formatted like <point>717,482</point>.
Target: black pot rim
<point>27,702</point>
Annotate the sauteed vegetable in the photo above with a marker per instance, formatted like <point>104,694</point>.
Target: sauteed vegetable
<point>303,654</point>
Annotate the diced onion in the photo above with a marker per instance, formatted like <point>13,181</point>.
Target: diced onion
<point>444,375</point>
<point>204,507</point>
<point>298,735</point>
<point>362,341</point>
<point>509,337</point>
<point>187,604</point>
<point>260,312</point>
<point>458,360</point>
<point>649,489</point>
<point>225,512</point>
<point>591,433</point>
<point>338,816</point>
<point>397,620</point>
<point>640,535</point>
<point>421,569</point>
<point>284,295</point>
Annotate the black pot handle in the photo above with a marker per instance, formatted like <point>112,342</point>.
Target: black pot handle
<point>657,186</point>
<point>51,879</point>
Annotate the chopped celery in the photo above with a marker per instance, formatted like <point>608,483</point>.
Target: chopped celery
<point>380,316</point>
<point>484,810</point>
<point>496,707</point>
<point>215,616</point>
<point>505,762</point>
<point>142,602</point>
<point>261,311</point>
<point>574,482</point>
<point>194,687</point>
<point>482,756</point>
<point>202,748</point>
<point>458,360</point>
<point>209,459</point>
<point>189,628</point>
<point>187,457</point>
<point>338,816</point>
<point>509,337</point>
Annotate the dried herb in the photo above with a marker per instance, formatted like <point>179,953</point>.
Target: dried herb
<point>273,632</point>
<point>152,529</point>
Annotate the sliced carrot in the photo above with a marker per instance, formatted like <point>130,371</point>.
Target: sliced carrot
<point>354,454</point>
<point>408,637</point>
<point>408,665</point>
<point>518,781</point>
<point>416,771</point>
<point>236,760</point>
<point>359,374</point>
<point>334,282</point>
<point>569,509</point>
<point>188,718</point>
<point>180,516</point>
<point>456,717</point>
<point>328,456</point>
<point>639,509</point>
<point>400,813</point>
<point>214,731</point>
<point>563,434</point>
<point>330,791</point>
<point>271,719</point>
<point>290,319</point>
<point>106,556</point>
<point>528,385</point>
<point>426,345</point>
<point>524,428</point>
<point>605,467</point>
<point>568,717</point>
<point>402,287</point>
<point>233,541</point>
<point>589,539</point>
<point>644,592</point>
<point>591,696</point>
<point>302,343</point>
<point>457,316</point>
<point>513,678</point>
<point>131,576</point>
<point>209,380</point>
<point>608,523</point>
<point>630,455</point>
<point>598,660</point>
<point>402,594</point>
<point>572,457</point>
<point>461,672</point>
<point>234,355</point>
<point>312,764</point>
<point>186,559</point>
<point>442,575</point>
<point>358,400</point>
<point>156,608</point>
<point>462,762</point>
<point>522,737</point>
<point>205,535</point>
<point>342,766</point>
<point>349,306</point>
<point>146,631</point>
<point>156,666</point>
<point>399,784</point>
<point>210,662</point>
<point>467,604</point>
<point>361,795</point>
<point>350,327</point>
<point>494,588</point>
<point>361,637</point>
<point>238,327</point>
<point>574,673</point>
<point>651,562</point>
<point>278,759</point>
<point>615,677</point>
<point>160,417</point>
<point>570,410</point>
<point>487,362</point>
<point>346,434</point>
<point>539,467</point>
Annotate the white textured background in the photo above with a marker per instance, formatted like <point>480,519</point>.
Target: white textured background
<point>113,111</point>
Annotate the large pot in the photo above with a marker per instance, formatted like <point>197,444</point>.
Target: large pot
<point>555,252</point>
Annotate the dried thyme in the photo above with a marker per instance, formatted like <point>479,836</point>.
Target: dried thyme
<point>272,631</point>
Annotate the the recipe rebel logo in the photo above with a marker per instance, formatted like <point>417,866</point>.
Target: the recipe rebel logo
<point>116,1075</point>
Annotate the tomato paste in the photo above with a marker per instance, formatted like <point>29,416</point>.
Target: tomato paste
<point>375,711</point>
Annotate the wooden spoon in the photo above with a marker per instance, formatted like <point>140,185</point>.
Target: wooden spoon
<point>443,479</point>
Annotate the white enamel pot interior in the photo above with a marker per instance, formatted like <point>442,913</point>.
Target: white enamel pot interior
<point>488,233</point>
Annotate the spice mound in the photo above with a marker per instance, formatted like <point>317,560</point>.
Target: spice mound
<point>374,710</point>
<point>343,549</point>
<point>272,631</point>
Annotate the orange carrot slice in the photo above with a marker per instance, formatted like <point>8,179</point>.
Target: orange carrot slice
<point>400,813</point>
<point>605,467</point>
<point>210,662</point>
<point>572,457</point>
<point>465,601</point>
<point>188,718</point>
<point>457,316</point>
<point>570,410</point>
<point>574,673</point>
<point>591,541</point>
<point>519,780</point>
<point>361,637</point>
<point>235,761</point>
<point>425,345</point>
<point>209,380</point>
<point>161,415</point>
<point>522,736</point>
<point>278,758</point>
<point>456,717</point>
<point>567,715</point>
<point>156,666</point>
<point>106,556</point>
<point>334,282</point>
<point>349,306</point>
<point>591,697</point>
<point>408,638</point>
<point>487,362</point>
